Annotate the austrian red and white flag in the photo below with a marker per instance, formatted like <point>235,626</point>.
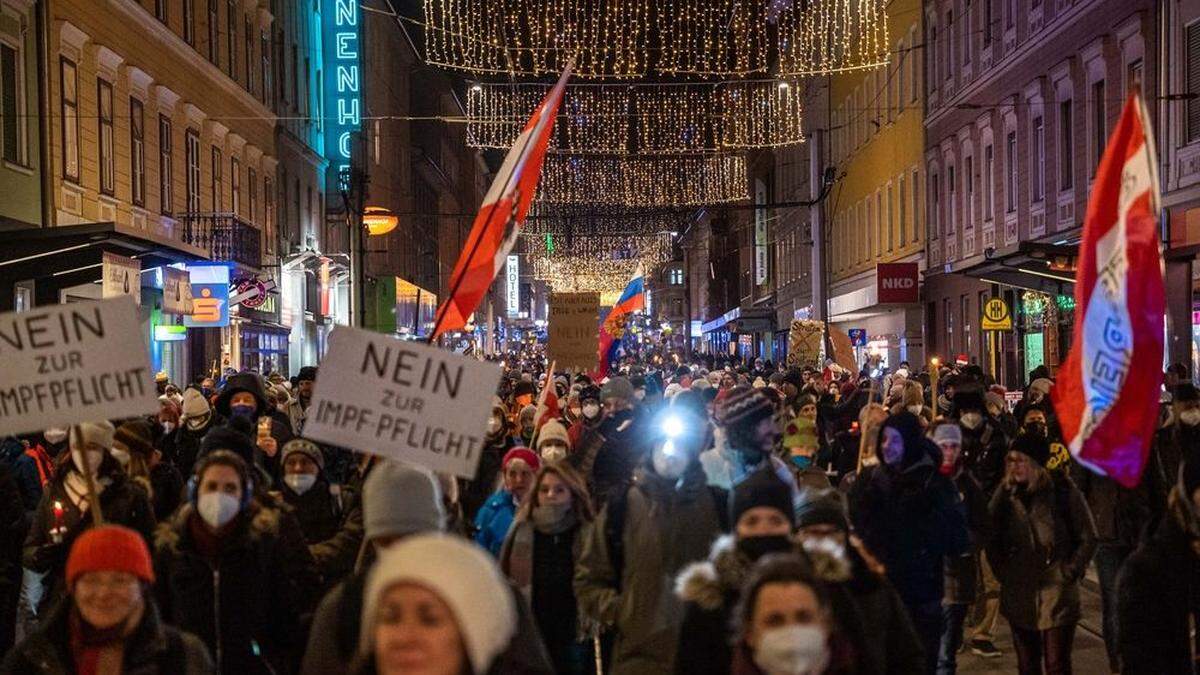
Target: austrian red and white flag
<point>499,221</point>
<point>1107,393</point>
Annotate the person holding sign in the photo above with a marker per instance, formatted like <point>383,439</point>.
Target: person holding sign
<point>64,512</point>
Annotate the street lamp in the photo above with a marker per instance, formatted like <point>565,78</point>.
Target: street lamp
<point>379,221</point>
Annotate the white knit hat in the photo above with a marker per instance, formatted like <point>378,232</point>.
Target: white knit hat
<point>463,576</point>
<point>194,404</point>
<point>101,433</point>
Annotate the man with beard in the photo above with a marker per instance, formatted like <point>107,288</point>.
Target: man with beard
<point>747,416</point>
<point>297,409</point>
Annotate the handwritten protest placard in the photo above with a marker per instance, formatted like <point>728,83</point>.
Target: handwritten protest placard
<point>572,330</point>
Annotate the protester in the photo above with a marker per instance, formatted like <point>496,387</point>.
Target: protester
<point>496,516</point>
<point>14,526</point>
<point>553,442</point>
<point>763,517</point>
<point>1042,538</point>
<point>643,536</point>
<point>539,555</point>
<point>746,416</point>
<point>314,501</point>
<point>497,442</point>
<point>961,571</point>
<point>784,624</point>
<point>182,446</point>
<point>64,512</point>
<point>983,443</point>
<point>134,449</point>
<point>801,447</point>
<point>1179,441</point>
<point>911,516</point>
<point>243,396</point>
<point>297,406</point>
<point>235,571</point>
<point>887,642</point>
<point>591,414</point>
<point>434,604</point>
<point>33,464</point>
<point>109,622</point>
<point>609,466</point>
<point>854,449</point>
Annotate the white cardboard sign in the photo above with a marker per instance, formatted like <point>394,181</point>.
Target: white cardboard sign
<point>78,362</point>
<point>403,400</point>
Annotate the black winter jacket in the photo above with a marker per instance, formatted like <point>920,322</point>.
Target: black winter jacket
<point>983,452</point>
<point>318,511</point>
<point>247,604</point>
<point>1158,598</point>
<point>182,446</point>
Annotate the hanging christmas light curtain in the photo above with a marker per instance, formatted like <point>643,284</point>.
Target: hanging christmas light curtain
<point>598,264</point>
<point>643,181</point>
<point>563,222</point>
<point>645,119</point>
<point>626,39</point>
<point>828,36</point>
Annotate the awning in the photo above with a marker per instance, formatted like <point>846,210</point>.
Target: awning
<point>60,257</point>
<point>1030,265</point>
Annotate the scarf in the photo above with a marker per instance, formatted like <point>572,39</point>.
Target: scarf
<point>518,560</point>
<point>76,487</point>
<point>99,651</point>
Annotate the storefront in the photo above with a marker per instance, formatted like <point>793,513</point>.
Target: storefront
<point>884,308</point>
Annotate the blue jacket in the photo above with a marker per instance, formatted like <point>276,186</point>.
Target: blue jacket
<point>493,520</point>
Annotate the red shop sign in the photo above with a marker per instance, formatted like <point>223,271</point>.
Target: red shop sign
<point>897,282</point>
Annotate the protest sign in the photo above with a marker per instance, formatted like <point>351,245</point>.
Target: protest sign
<point>403,400</point>
<point>120,276</point>
<point>572,330</point>
<point>78,362</point>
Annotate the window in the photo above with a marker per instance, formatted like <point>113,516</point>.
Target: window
<point>295,78</point>
<point>218,181</point>
<point>969,197</point>
<point>232,24</point>
<point>12,94</point>
<point>890,224</point>
<point>191,152</point>
<point>902,221</point>
<point>1066,146</point>
<point>69,81</point>
<point>104,106</point>
<point>931,76</point>
<point>877,226</point>
<point>965,307</point>
<point>676,277</point>
<point>235,184</point>
<point>137,152</point>
<point>950,45</point>
<point>160,10</point>
<point>989,181</point>
<point>901,55</point>
<point>1037,156</point>
<point>1133,75</point>
<point>282,80</point>
<point>249,54</point>
<point>1099,125</point>
<point>915,184</point>
<point>914,72</point>
<point>949,322</point>
<point>214,34</point>
<point>307,85</point>
<point>269,213</point>
<point>1192,40</point>
<point>951,200</point>
<point>252,183</point>
<point>264,51</point>
<point>1010,14</point>
<point>965,36</point>
<point>1010,165</point>
<point>166,166</point>
<point>935,203</point>
<point>189,22</point>
<point>987,22</point>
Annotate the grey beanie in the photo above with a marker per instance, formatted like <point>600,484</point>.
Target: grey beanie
<point>401,499</point>
<point>617,387</point>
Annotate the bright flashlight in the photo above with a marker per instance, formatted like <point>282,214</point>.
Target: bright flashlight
<point>672,426</point>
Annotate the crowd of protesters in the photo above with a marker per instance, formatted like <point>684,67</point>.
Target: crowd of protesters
<point>705,518</point>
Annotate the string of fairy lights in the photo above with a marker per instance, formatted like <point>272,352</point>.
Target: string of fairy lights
<point>666,97</point>
<point>630,39</point>
<point>644,119</point>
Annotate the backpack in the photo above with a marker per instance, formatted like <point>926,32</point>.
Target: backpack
<point>614,527</point>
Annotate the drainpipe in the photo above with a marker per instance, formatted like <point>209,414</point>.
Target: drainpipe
<point>42,39</point>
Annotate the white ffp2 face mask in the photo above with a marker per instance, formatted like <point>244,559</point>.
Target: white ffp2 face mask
<point>218,508</point>
<point>300,482</point>
<point>793,650</point>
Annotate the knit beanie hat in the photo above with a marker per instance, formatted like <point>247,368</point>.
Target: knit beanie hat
<point>237,437</point>
<point>801,432</point>
<point>1041,384</point>
<point>996,399</point>
<point>1035,446</point>
<point>761,488</point>
<point>109,548</point>
<point>948,433</point>
<point>522,453</point>
<point>744,407</point>
<point>968,399</point>
<point>137,436</point>
<point>194,404</point>
<point>463,576</point>
<point>401,499</point>
<point>305,447</point>
<point>589,393</point>
<point>101,433</point>
<point>554,431</point>
<point>822,507</point>
<point>617,387</point>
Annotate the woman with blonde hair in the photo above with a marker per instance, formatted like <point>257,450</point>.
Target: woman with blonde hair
<point>539,556</point>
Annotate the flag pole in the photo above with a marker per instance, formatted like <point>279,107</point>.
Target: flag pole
<point>537,428</point>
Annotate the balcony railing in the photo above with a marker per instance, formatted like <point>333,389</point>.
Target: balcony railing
<point>225,235</point>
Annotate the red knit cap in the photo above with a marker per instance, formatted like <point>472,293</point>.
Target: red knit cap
<point>109,548</point>
<point>522,453</point>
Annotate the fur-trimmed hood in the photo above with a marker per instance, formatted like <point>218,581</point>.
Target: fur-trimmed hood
<point>709,583</point>
<point>171,533</point>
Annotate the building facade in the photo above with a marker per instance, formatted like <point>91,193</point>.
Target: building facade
<point>1021,96</point>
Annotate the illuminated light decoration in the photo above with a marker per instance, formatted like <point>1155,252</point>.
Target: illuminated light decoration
<point>379,221</point>
<point>644,119</point>
<point>831,36</point>
<point>343,83</point>
<point>594,263</point>
<point>565,221</point>
<point>627,39</point>
<point>644,181</point>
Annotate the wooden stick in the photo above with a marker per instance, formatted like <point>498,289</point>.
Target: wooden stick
<point>93,494</point>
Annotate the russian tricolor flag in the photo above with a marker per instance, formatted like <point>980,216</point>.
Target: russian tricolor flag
<point>633,299</point>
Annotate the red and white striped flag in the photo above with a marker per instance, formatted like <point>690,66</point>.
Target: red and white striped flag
<point>500,218</point>
<point>1107,392</point>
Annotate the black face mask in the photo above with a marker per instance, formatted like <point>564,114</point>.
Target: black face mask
<point>1035,428</point>
<point>756,547</point>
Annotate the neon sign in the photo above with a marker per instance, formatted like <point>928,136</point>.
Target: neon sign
<point>343,82</point>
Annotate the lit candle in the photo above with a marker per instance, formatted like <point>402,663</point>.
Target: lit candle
<point>57,530</point>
